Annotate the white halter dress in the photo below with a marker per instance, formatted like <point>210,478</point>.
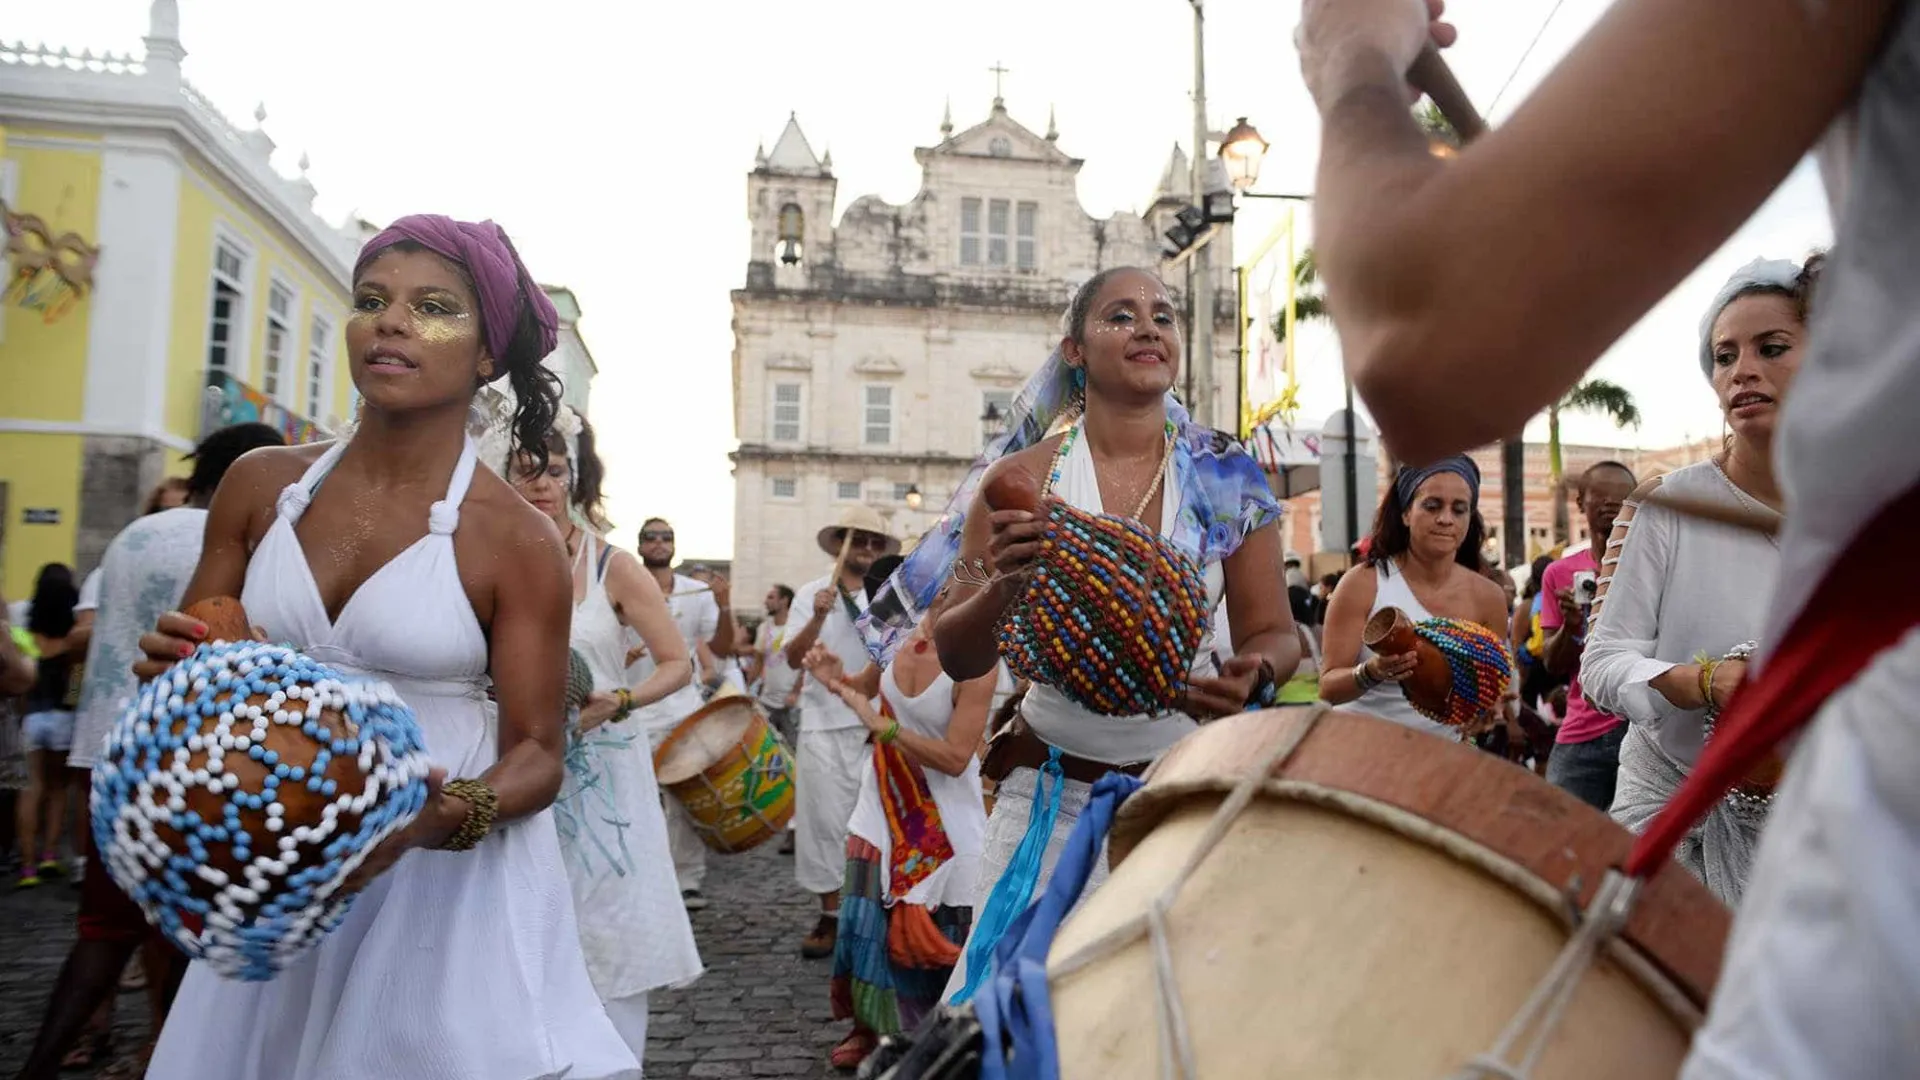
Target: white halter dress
<point>452,965</point>
<point>613,833</point>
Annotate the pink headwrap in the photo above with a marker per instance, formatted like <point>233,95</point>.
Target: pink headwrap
<point>483,250</point>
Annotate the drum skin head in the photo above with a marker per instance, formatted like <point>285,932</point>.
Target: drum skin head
<point>702,739</point>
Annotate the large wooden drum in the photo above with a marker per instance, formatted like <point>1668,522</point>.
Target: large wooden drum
<point>728,767</point>
<point>1381,910</point>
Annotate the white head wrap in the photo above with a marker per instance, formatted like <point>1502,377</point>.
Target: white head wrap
<point>490,422</point>
<point>1765,274</point>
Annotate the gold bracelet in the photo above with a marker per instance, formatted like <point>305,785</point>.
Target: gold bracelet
<point>1706,684</point>
<point>482,802</point>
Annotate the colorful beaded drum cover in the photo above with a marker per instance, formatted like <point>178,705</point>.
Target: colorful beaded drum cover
<point>1111,616</point>
<point>239,791</point>
<point>1476,659</point>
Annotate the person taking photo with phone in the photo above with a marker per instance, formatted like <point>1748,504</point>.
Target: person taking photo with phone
<point>1586,751</point>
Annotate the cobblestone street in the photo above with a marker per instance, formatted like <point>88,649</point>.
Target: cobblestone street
<point>759,1010</point>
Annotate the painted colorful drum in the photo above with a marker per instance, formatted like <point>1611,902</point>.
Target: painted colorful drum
<point>728,767</point>
<point>1382,908</point>
<point>241,789</point>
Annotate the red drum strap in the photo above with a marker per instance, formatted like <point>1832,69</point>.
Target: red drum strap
<point>1859,610</point>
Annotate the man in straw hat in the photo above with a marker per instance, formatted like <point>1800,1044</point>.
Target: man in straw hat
<point>833,744</point>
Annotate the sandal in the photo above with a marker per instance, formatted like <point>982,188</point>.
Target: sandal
<point>93,1048</point>
<point>852,1050</point>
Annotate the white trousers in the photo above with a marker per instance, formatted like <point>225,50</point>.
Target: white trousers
<point>826,787</point>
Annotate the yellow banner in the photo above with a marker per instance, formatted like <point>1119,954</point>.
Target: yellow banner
<point>1267,298</point>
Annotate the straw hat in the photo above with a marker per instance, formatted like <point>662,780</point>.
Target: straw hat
<point>860,518</point>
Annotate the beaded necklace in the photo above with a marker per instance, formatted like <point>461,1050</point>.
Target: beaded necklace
<point>1066,445</point>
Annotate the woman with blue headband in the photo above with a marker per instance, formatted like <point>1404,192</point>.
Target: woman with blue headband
<point>1424,559</point>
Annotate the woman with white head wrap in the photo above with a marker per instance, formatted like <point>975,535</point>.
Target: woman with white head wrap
<point>1685,598</point>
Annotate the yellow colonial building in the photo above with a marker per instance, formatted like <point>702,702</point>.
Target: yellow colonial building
<point>162,279</point>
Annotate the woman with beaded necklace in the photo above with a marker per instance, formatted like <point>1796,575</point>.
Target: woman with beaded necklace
<point>392,554</point>
<point>1125,448</point>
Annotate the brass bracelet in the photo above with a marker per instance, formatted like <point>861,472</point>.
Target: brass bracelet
<point>1706,685</point>
<point>482,803</point>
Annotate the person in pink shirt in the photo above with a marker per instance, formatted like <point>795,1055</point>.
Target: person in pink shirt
<point>1586,754</point>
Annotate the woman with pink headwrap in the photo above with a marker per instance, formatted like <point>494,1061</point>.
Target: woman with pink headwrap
<point>392,554</point>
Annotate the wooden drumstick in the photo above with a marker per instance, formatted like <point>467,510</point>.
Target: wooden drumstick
<point>1739,517</point>
<point>840,564</point>
<point>1431,75</point>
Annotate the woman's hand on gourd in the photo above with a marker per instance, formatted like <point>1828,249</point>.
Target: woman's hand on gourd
<point>1015,540</point>
<point>1211,697</point>
<point>1391,668</point>
<point>173,638</point>
<point>597,709</point>
<point>440,816</point>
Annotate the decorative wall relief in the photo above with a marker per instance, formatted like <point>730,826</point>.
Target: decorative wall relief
<point>47,274</point>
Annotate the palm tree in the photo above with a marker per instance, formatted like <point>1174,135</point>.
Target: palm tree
<point>1592,396</point>
<point>1308,302</point>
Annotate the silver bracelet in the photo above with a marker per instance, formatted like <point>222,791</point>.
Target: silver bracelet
<point>1362,680</point>
<point>972,574</point>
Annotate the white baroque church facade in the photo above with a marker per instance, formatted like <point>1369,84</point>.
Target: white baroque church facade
<point>869,354</point>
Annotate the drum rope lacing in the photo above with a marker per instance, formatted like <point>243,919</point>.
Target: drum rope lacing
<point>1598,929</point>
<point>1176,1044</point>
<point>1543,1010</point>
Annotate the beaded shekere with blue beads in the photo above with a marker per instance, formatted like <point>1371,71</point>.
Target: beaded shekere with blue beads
<point>1111,617</point>
<point>239,791</point>
<point>1477,661</point>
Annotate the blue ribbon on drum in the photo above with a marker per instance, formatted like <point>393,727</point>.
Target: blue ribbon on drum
<point>1013,1006</point>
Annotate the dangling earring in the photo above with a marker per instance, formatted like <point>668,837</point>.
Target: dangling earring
<point>1080,380</point>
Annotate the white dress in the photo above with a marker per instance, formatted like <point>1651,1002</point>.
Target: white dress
<point>963,812</point>
<point>613,833</point>
<point>1075,730</point>
<point>452,965</point>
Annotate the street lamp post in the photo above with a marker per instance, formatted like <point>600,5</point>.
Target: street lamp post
<point>1202,268</point>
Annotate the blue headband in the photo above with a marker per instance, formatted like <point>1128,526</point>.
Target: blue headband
<point>1409,479</point>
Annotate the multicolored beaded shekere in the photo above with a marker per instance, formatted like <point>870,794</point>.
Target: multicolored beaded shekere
<point>1111,616</point>
<point>240,790</point>
<point>1477,658</point>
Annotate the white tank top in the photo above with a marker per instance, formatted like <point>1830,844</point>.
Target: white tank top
<point>597,633</point>
<point>1117,740</point>
<point>1387,701</point>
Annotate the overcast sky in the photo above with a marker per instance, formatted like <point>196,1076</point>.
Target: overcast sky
<point>613,141</point>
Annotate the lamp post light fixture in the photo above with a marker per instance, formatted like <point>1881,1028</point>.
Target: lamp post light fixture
<point>993,424</point>
<point>1241,151</point>
<point>914,498</point>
